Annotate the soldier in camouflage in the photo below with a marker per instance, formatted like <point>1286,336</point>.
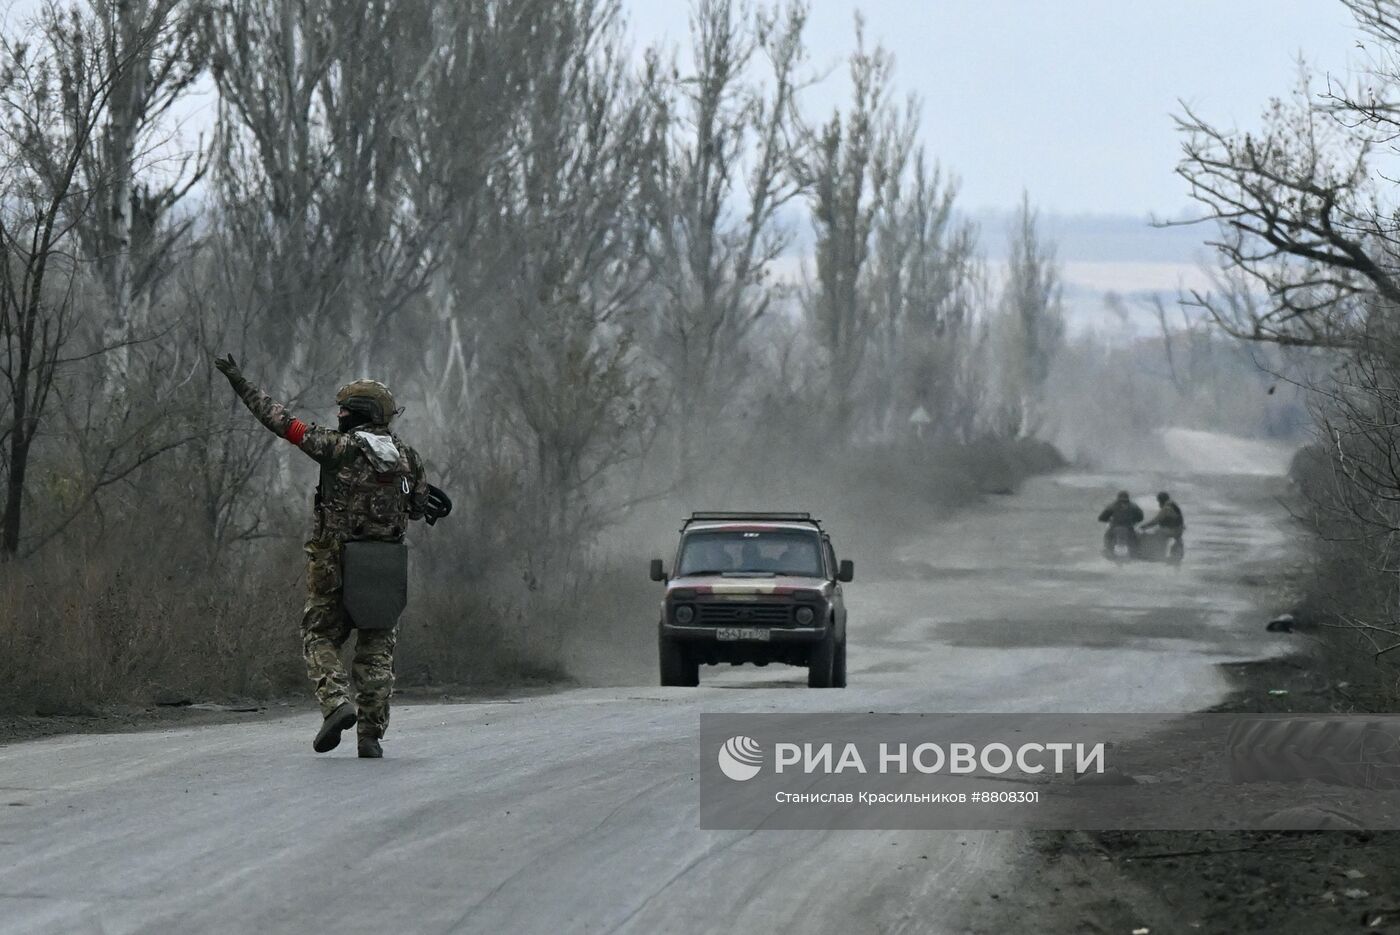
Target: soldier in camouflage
<point>371,486</point>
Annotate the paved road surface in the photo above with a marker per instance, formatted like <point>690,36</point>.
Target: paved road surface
<point>577,812</point>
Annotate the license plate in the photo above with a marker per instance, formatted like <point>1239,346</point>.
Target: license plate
<point>729,634</point>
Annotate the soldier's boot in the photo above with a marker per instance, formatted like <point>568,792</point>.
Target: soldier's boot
<point>341,719</point>
<point>370,748</point>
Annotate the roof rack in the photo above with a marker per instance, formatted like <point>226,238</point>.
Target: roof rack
<point>704,515</point>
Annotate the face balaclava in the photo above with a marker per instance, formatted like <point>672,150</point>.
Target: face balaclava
<point>359,411</point>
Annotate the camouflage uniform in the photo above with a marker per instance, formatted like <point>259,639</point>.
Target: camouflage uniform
<point>368,490</point>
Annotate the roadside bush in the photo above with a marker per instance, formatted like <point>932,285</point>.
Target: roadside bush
<point>78,631</point>
<point>1349,591</point>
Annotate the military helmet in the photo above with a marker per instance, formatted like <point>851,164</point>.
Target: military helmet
<point>1163,497</point>
<point>369,397</point>
<point>1123,495</point>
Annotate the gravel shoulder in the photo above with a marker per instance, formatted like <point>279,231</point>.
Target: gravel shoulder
<point>16,728</point>
<point>184,713</point>
<point>1285,882</point>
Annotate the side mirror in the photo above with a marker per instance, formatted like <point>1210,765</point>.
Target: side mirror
<point>658,570</point>
<point>846,571</point>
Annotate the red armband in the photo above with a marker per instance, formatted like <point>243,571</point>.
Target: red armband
<point>296,431</point>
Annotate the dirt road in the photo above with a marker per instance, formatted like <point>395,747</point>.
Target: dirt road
<point>577,812</point>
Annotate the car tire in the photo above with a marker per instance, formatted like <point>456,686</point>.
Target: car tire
<point>678,669</point>
<point>838,669</point>
<point>821,665</point>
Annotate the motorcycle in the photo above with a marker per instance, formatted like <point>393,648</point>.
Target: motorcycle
<point>1120,544</point>
<point>1123,544</point>
<point>1158,546</point>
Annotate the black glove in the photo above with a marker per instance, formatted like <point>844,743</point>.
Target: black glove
<point>229,368</point>
<point>436,505</point>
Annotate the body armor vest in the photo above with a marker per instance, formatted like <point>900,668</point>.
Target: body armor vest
<point>366,497</point>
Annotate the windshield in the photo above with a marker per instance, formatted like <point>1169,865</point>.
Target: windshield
<point>772,552</point>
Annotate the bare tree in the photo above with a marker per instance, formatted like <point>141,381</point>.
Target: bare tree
<point>562,277</point>
<point>313,107</point>
<point>1032,321</point>
<point>715,196</point>
<point>153,52</point>
<point>1357,501</point>
<point>1300,217</point>
<point>924,296</point>
<point>480,78</point>
<point>53,97</point>
<point>851,168</point>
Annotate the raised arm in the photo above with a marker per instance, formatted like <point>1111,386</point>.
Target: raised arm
<point>321,444</point>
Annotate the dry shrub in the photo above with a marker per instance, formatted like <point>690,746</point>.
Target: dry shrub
<point>79,630</point>
<point>1350,589</point>
<point>454,634</point>
<point>82,631</point>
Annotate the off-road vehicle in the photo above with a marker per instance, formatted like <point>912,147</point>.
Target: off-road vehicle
<point>753,587</point>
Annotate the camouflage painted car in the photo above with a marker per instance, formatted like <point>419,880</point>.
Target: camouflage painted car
<point>753,587</point>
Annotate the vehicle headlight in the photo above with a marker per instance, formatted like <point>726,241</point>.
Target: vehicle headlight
<point>804,615</point>
<point>685,613</point>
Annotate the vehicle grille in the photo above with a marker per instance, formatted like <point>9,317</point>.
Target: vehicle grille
<point>735,613</point>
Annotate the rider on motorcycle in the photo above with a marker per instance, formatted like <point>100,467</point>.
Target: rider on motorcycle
<point>1122,516</point>
<point>1169,521</point>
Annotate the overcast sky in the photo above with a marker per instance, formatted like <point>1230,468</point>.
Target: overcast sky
<point>1070,100</point>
